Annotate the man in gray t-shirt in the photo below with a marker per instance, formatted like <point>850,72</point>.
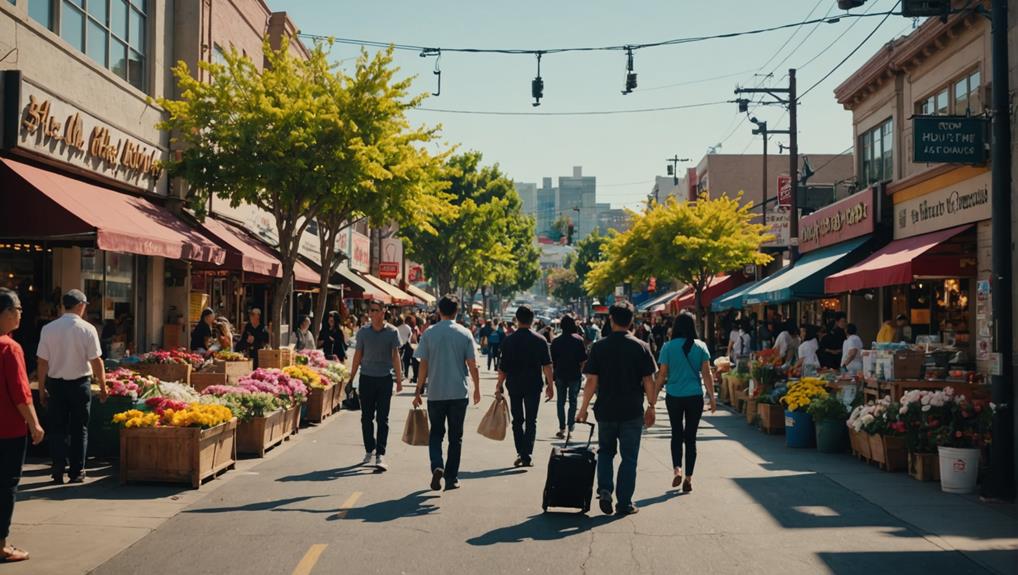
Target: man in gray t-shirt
<point>377,358</point>
<point>446,352</point>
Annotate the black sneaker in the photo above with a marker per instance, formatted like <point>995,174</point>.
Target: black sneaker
<point>528,462</point>
<point>605,501</point>
<point>436,479</point>
<point>58,479</point>
<point>454,484</point>
<point>628,510</point>
<point>80,478</point>
<point>518,462</point>
<point>561,434</point>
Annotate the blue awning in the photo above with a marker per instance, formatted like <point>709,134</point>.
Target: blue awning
<point>661,299</point>
<point>735,298</point>
<point>805,279</point>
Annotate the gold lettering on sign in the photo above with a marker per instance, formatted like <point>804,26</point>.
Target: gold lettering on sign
<point>36,114</point>
<point>74,132</point>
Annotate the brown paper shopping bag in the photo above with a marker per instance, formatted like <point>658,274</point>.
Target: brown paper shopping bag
<point>416,430</point>
<point>496,421</point>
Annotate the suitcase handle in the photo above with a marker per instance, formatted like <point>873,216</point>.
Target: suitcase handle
<point>589,438</point>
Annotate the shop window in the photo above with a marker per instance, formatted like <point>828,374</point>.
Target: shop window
<point>939,308</point>
<point>876,157</point>
<point>960,97</point>
<point>108,282</point>
<point>42,12</point>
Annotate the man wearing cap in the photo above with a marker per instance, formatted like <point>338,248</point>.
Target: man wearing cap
<point>69,359</point>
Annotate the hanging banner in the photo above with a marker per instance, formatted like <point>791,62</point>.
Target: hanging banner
<point>785,191</point>
<point>360,252</point>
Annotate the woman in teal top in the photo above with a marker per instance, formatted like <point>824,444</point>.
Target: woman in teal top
<point>684,371</point>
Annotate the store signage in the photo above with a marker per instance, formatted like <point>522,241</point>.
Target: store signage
<point>392,258</point>
<point>949,139</point>
<point>849,218</point>
<point>415,273</point>
<point>962,203</point>
<point>785,191</point>
<point>388,270</point>
<point>37,121</point>
<point>779,225</point>
<point>360,252</point>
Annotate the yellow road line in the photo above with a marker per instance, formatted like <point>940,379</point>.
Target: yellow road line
<point>310,558</point>
<point>348,504</point>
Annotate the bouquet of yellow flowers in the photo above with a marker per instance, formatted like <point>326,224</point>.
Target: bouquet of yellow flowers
<point>309,376</point>
<point>197,415</point>
<point>801,393</point>
<point>136,418</point>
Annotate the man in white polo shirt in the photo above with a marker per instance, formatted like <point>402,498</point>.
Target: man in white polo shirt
<point>69,358</point>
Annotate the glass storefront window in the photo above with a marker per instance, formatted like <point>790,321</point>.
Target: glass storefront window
<point>940,308</point>
<point>108,281</point>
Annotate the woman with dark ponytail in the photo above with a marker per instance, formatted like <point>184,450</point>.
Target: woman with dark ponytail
<point>684,372</point>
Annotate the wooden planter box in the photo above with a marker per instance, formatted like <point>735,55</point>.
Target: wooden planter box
<point>292,418</point>
<point>258,434</point>
<point>337,396</point>
<point>924,466</point>
<point>234,370</point>
<point>165,371</point>
<point>177,454</point>
<point>275,358</point>
<point>888,452</point>
<point>772,418</point>
<point>723,390</point>
<point>860,442</point>
<point>751,410</point>
<point>201,379</point>
<point>320,403</point>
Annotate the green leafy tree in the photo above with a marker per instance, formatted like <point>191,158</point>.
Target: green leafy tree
<point>564,284</point>
<point>589,251</point>
<point>687,241</point>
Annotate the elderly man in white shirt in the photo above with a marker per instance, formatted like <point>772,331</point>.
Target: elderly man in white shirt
<point>69,358</point>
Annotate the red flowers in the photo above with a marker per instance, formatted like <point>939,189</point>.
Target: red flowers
<point>161,404</point>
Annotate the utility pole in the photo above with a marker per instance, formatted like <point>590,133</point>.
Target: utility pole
<point>673,168</point>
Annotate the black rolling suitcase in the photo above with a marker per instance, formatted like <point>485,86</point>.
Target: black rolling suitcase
<point>571,476</point>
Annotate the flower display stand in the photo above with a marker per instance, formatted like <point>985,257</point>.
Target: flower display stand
<point>275,358</point>
<point>202,379</point>
<point>772,418</point>
<point>177,454</point>
<point>860,442</point>
<point>320,403</point>
<point>180,372</point>
<point>257,435</point>
<point>924,466</point>
<point>888,452</point>
<point>234,370</point>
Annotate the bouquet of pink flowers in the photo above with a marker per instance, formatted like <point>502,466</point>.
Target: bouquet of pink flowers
<point>312,357</point>
<point>277,383</point>
<point>173,356</point>
<point>126,383</point>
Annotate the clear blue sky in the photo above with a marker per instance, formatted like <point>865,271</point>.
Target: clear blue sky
<point>625,152</point>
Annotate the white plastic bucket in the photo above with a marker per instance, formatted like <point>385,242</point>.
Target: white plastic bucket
<point>959,469</point>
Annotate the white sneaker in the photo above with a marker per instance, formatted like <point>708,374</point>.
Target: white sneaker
<point>367,458</point>
<point>380,463</point>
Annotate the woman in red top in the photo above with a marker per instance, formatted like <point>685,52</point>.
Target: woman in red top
<point>17,419</point>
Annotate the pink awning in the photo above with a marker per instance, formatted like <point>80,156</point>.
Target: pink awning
<point>250,254</point>
<point>718,285</point>
<point>898,262</point>
<point>42,204</point>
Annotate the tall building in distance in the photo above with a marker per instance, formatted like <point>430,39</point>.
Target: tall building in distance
<point>528,195</point>
<point>547,207</point>
<point>575,199</point>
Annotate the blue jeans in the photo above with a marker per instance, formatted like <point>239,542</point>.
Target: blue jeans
<point>562,387</point>
<point>455,412</point>
<point>618,437</point>
<point>70,402</point>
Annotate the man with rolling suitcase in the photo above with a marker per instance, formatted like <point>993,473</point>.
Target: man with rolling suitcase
<point>620,370</point>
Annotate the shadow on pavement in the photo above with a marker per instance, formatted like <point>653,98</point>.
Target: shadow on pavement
<point>331,474</point>
<point>503,472</point>
<point>914,562</point>
<point>543,527</point>
<point>416,504</point>
<point>273,505</point>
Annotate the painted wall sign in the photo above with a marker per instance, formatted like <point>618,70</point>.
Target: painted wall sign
<point>962,203</point>
<point>785,191</point>
<point>360,252</point>
<point>843,220</point>
<point>38,121</point>
<point>392,258</point>
<point>780,223</point>
<point>951,139</point>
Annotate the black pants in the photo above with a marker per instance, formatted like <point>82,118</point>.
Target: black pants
<point>407,355</point>
<point>453,412</point>
<point>494,354</point>
<point>12,458</point>
<point>376,396</point>
<point>523,408</point>
<point>684,432</point>
<point>70,401</point>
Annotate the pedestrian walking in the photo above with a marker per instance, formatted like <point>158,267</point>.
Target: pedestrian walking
<point>17,419</point>
<point>254,336</point>
<point>446,352</point>
<point>620,370</point>
<point>526,357</point>
<point>495,339</point>
<point>405,330</point>
<point>684,373</point>
<point>69,359</point>
<point>331,339</point>
<point>377,358</point>
<point>568,354</point>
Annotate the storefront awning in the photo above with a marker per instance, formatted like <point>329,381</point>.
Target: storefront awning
<point>46,205</point>
<point>424,297</point>
<point>900,261</point>
<point>735,299</point>
<point>663,298</point>
<point>719,285</point>
<point>245,252</point>
<point>805,279</point>
<point>398,296</point>
<point>362,288</point>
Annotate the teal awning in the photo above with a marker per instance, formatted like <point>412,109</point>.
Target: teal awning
<point>735,298</point>
<point>805,279</point>
<point>660,299</point>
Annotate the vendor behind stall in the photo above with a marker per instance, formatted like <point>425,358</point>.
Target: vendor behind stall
<point>201,335</point>
<point>254,337</point>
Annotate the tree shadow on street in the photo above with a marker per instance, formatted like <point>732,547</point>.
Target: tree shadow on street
<point>416,504</point>
<point>331,474</point>
<point>273,505</point>
<point>543,527</point>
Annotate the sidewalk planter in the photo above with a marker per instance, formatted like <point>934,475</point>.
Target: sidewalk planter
<point>799,430</point>
<point>275,358</point>
<point>320,403</point>
<point>177,454</point>
<point>180,372</point>
<point>103,434</point>
<point>772,417</point>
<point>202,379</point>
<point>924,466</point>
<point>888,452</point>
<point>292,419</point>
<point>233,370</point>
<point>959,469</point>
<point>751,410</point>
<point>860,441</point>
<point>723,390</point>
<point>257,435</point>
<point>832,436</point>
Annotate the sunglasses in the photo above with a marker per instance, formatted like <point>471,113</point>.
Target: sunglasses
<point>374,310</point>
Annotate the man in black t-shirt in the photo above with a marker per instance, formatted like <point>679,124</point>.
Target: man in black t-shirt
<point>525,358</point>
<point>567,355</point>
<point>620,370</point>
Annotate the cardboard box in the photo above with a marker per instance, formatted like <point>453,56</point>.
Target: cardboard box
<point>908,364</point>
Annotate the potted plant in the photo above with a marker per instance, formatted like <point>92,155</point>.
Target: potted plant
<point>829,414</point>
<point>884,432</point>
<point>799,427</point>
<point>261,417</point>
<point>922,412</point>
<point>966,428</point>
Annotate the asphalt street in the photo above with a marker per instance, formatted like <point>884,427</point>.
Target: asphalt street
<point>757,507</point>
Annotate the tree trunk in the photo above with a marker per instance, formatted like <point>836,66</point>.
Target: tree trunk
<point>327,251</point>
<point>484,300</point>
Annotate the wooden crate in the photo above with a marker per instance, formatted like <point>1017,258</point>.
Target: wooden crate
<point>772,417</point>
<point>202,379</point>
<point>751,411</point>
<point>180,372</point>
<point>292,418</point>
<point>259,434</point>
<point>177,454</point>
<point>860,442</point>
<point>337,396</point>
<point>234,370</point>
<point>320,403</point>
<point>924,466</point>
<point>275,358</point>
<point>888,452</point>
